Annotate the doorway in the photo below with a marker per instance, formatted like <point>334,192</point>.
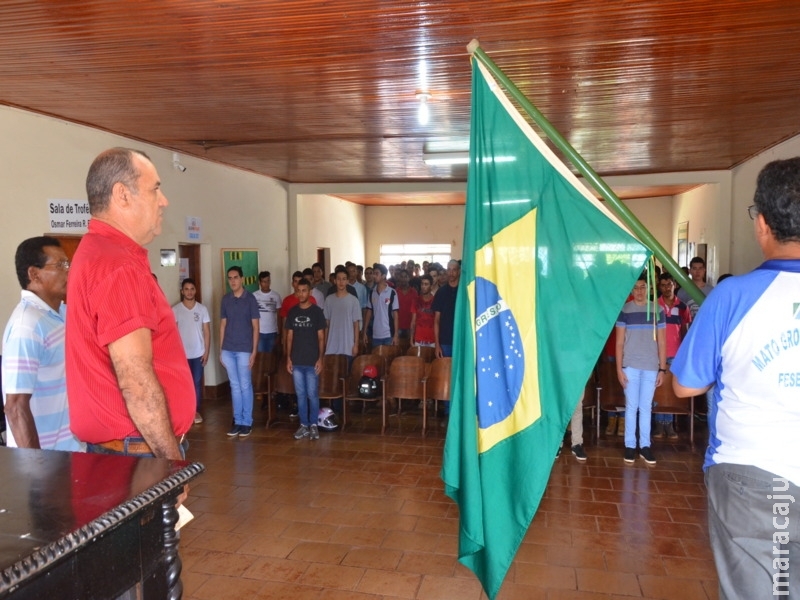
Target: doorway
<point>190,255</point>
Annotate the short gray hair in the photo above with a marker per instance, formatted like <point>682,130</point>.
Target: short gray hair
<point>110,167</point>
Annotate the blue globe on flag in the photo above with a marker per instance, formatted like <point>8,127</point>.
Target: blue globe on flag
<point>499,355</point>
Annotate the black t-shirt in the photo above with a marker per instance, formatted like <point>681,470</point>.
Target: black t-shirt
<point>444,302</point>
<point>305,323</point>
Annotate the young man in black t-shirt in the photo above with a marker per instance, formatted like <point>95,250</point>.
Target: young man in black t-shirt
<point>305,343</point>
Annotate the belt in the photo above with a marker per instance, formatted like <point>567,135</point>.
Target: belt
<point>133,447</point>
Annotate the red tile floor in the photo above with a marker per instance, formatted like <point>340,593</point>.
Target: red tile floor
<point>360,516</point>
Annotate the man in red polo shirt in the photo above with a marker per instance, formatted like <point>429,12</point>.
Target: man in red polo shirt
<point>128,381</point>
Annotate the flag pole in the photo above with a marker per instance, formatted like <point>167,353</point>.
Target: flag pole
<point>622,211</point>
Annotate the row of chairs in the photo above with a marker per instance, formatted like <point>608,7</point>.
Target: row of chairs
<point>418,375</point>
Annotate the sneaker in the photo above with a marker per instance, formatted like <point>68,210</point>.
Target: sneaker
<point>234,431</point>
<point>630,455</point>
<point>647,455</point>
<point>244,431</point>
<point>578,453</point>
<point>314,432</point>
<point>658,430</point>
<point>301,432</point>
<point>293,413</point>
<point>670,431</point>
<point>198,418</point>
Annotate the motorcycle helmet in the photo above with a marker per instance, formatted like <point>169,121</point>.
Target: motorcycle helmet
<point>368,388</point>
<point>327,419</point>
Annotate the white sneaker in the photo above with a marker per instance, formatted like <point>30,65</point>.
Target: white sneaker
<point>301,432</point>
<point>314,432</point>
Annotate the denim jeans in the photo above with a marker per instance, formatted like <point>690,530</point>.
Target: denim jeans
<point>381,342</point>
<point>266,341</point>
<point>196,367</point>
<point>639,397</point>
<point>306,386</point>
<point>661,417</point>
<point>237,364</point>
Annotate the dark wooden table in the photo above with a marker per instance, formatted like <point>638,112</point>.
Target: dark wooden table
<point>84,526</point>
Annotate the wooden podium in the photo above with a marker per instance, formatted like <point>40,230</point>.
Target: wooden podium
<point>85,526</point>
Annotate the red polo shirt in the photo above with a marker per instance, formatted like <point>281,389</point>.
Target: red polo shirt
<point>112,293</point>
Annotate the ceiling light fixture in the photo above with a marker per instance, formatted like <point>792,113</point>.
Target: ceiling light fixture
<point>424,113</point>
<point>445,158</point>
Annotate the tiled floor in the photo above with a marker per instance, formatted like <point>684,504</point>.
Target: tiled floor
<point>360,516</point>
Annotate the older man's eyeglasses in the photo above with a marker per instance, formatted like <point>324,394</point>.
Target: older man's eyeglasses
<point>63,265</point>
<point>752,211</point>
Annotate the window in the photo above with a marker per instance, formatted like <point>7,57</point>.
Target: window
<point>394,254</point>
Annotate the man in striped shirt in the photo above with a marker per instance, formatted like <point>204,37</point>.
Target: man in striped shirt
<point>34,380</point>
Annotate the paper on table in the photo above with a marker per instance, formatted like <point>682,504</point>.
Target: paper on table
<point>184,516</point>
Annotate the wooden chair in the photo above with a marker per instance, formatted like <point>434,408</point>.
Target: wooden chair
<point>610,395</point>
<point>332,378</point>
<point>404,381</point>
<point>428,353</point>
<point>667,403</point>
<point>263,372</point>
<point>282,383</point>
<point>437,387</point>
<point>388,354</point>
<point>351,384</point>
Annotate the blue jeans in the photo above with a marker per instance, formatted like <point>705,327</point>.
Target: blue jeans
<point>196,367</point>
<point>306,386</point>
<point>639,397</point>
<point>661,417</point>
<point>381,342</point>
<point>266,341</point>
<point>237,364</point>
<point>447,349</point>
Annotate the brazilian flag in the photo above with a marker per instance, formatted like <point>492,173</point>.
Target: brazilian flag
<point>545,271</point>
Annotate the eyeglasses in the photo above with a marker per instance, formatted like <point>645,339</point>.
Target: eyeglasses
<point>62,264</point>
<point>752,211</point>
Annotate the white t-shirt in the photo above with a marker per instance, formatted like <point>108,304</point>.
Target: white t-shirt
<point>268,305</point>
<point>190,326</point>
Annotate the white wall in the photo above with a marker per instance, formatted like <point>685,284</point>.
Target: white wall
<point>44,158</point>
<point>413,225</point>
<point>699,207</point>
<point>745,253</point>
<point>327,222</point>
<point>656,215</point>
<point>445,224</point>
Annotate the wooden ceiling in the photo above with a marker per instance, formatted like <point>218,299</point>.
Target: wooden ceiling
<point>325,91</point>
